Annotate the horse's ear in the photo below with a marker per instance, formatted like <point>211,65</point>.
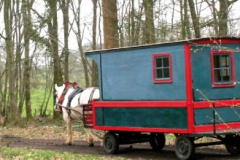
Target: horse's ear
<point>56,87</point>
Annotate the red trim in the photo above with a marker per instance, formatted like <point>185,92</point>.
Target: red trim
<point>217,41</point>
<point>136,129</point>
<point>93,113</point>
<point>218,103</point>
<point>221,85</point>
<point>155,80</point>
<point>140,104</point>
<point>219,127</point>
<point>189,87</point>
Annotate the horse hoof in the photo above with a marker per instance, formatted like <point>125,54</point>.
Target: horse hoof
<point>67,144</point>
<point>91,145</point>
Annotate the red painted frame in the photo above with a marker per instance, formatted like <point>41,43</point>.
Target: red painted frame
<point>221,85</point>
<point>155,80</point>
<point>217,103</point>
<point>223,128</point>
<point>189,85</point>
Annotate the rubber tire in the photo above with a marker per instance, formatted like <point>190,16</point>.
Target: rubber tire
<point>232,144</point>
<point>184,148</point>
<point>157,141</point>
<point>110,143</point>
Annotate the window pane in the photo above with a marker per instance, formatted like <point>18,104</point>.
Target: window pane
<point>216,59</point>
<point>217,75</point>
<point>158,62</point>
<point>165,62</point>
<point>225,75</point>
<point>225,61</point>
<point>159,73</point>
<point>166,73</point>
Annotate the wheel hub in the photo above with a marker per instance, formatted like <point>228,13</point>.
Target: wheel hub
<point>183,147</point>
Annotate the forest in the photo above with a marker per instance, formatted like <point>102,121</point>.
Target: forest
<point>42,42</point>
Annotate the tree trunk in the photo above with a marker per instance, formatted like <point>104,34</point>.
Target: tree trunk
<point>94,44</point>
<point>195,19</point>
<point>53,32</point>
<point>27,66</point>
<point>186,20</point>
<point>149,22</point>
<point>183,31</point>
<point>11,109</point>
<point>65,6</point>
<point>223,16</point>
<point>110,24</point>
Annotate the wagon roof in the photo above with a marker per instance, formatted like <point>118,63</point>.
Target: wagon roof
<point>192,41</point>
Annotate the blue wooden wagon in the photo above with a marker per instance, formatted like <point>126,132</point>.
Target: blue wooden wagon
<point>187,88</point>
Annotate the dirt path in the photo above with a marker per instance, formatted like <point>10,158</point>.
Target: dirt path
<point>138,151</point>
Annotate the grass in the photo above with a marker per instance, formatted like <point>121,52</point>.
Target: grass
<point>34,154</point>
<point>37,98</point>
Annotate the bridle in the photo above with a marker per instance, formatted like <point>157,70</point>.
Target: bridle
<point>68,85</point>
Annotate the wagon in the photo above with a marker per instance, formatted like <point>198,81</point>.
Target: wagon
<point>187,88</point>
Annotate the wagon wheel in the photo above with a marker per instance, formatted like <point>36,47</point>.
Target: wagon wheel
<point>110,144</point>
<point>184,147</point>
<point>232,143</point>
<point>157,141</point>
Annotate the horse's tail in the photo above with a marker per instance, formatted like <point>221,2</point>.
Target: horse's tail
<point>98,134</point>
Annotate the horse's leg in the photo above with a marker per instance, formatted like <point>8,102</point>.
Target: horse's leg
<point>90,137</point>
<point>69,130</point>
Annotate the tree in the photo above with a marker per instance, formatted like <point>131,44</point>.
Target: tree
<point>195,19</point>
<point>223,16</point>
<point>220,17</point>
<point>110,24</point>
<point>53,36</point>
<point>11,108</point>
<point>64,5</point>
<point>27,66</point>
<point>149,22</point>
<point>78,33</point>
<point>94,44</point>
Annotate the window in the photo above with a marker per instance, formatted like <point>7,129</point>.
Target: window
<point>162,68</point>
<point>222,68</point>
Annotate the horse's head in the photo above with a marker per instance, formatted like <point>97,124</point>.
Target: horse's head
<point>57,96</point>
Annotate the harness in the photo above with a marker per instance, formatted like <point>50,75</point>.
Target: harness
<point>91,95</point>
<point>76,91</point>
<point>73,94</point>
<point>67,86</point>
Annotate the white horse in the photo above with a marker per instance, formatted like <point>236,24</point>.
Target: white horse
<point>69,102</point>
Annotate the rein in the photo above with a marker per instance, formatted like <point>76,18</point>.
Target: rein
<point>69,108</point>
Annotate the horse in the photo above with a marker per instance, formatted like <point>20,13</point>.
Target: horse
<point>69,99</point>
